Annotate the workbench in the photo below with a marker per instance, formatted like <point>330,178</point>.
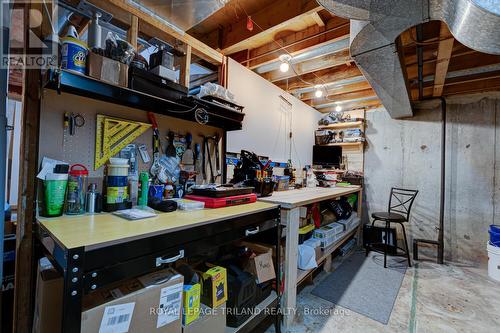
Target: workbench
<point>290,202</point>
<point>94,251</point>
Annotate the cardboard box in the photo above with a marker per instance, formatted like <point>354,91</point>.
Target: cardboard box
<point>48,307</point>
<point>107,70</point>
<point>191,303</point>
<point>210,321</point>
<point>151,303</point>
<point>262,264</point>
<point>214,286</point>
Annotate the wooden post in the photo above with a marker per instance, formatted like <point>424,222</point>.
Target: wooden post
<point>25,259</point>
<point>133,31</point>
<point>185,72</point>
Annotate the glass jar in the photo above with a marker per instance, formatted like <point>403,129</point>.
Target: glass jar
<point>77,185</point>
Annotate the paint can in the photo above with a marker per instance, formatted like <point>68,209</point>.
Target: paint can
<point>74,55</point>
<point>493,261</point>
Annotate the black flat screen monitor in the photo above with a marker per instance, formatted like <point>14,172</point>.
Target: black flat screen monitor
<point>327,156</point>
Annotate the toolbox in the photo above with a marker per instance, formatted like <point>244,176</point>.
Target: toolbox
<point>224,202</point>
<point>221,191</point>
<point>149,83</point>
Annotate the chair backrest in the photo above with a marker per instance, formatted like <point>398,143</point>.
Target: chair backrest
<point>401,201</point>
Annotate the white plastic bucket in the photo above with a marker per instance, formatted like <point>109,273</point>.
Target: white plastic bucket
<point>118,169</point>
<point>493,261</point>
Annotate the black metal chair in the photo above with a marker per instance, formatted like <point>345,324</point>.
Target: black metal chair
<point>400,203</point>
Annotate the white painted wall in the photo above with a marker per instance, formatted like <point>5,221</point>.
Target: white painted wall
<point>267,124</point>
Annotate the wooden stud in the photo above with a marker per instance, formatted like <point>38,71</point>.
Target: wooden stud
<point>342,97</point>
<point>332,92</point>
<point>133,31</point>
<point>319,21</point>
<point>443,59</point>
<point>185,71</point>
<point>291,219</point>
<point>25,259</point>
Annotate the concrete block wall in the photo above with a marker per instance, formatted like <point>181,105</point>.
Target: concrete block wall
<point>407,152</point>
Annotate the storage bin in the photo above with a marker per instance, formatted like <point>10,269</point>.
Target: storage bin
<point>328,230</point>
<point>323,137</point>
<point>305,233</point>
<point>495,234</point>
<point>493,261</point>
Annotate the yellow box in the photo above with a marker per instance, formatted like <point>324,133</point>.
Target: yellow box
<point>214,286</point>
<point>191,303</point>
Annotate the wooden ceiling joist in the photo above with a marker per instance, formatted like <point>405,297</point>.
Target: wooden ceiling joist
<point>443,59</point>
<point>311,65</point>
<point>270,19</point>
<point>320,77</point>
<point>333,92</point>
<point>297,42</point>
<point>341,97</point>
<point>367,104</point>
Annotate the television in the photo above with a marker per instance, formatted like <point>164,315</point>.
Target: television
<point>327,156</point>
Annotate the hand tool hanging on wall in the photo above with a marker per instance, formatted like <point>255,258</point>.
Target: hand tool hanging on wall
<point>114,134</point>
<point>188,155</point>
<point>217,139</point>
<point>206,151</point>
<point>155,166</point>
<point>171,151</point>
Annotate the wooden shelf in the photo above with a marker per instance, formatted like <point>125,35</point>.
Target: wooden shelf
<point>82,85</point>
<point>352,124</point>
<point>301,274</point>
<point>346,144</point>
<point>259,309</point>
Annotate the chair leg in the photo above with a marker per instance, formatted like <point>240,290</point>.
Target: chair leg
<point>406,245</point>
<point>387,229</point>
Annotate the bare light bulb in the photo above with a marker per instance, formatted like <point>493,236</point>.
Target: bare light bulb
<point>284,67</point>
<point>318,93</point>
<point>338,108</point>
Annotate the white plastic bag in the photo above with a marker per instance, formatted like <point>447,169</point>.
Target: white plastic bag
<point>307,257</point>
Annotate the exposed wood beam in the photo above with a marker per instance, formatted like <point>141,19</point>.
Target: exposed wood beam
<point>443,59</point>
<point>199,48</point>
<point>333,92</point>
<point>185,72</point>
<point>319,21</point>
<point>466,61</point>
<point>368,104</point>
<point>320,77</point>
<point>271,19</point>
<point>133,31</point>
<point>342,97</point>
<point>296,42</point>
<point>311,65</point>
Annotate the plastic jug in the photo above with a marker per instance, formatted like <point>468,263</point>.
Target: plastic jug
<point>77,185</point>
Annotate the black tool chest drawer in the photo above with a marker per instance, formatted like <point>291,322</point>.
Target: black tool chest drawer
<point>118,262</point>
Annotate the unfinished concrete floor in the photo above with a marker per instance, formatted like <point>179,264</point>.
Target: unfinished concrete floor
<point>433,298</point>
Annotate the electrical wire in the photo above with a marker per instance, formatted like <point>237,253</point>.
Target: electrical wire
<point>283,48</point>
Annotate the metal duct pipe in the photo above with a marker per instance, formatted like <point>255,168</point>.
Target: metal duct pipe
<point>375,25</point>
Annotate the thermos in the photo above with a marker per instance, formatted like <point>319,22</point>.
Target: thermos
<point>91,199</point>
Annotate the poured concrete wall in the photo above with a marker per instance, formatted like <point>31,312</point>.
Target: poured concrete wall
<point>407,152</point>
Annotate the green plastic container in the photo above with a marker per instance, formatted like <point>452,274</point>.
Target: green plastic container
<point>55,191</point>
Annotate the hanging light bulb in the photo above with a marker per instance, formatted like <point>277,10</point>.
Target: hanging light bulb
<point>319,91</point>
<point>338,108</point>
<point>285,59</point>
<point>284,67</point>
<point>249,23</point>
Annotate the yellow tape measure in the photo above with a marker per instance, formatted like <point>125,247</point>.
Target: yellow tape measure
<point>114,134</point>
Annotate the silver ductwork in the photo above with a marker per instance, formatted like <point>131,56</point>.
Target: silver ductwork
<point>375,25</point>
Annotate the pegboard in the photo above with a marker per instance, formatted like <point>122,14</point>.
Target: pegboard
<point>80,147</point>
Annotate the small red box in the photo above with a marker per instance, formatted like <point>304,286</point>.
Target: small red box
<point>224,202</point>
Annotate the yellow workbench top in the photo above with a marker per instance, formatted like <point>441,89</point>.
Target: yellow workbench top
<point>99,230</point>
<point>304,196</point>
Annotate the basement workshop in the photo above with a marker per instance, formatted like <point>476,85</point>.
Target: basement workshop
<point>231,166</point>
